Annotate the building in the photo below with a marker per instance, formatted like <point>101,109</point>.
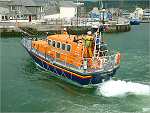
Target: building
<point>116,12</point>
<point>125,13</point>
<point>4,10</point>
<point>67,9</point>
<point>100,14</point>
<point>25,9</point>
<point>3,13</point>
<point>138,13</point>
<point>146,15</point>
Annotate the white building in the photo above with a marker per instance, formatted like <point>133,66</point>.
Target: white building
<point>67,10</point>
<point>138,13</point>
<point>4,10</point>
<point>3,13</point>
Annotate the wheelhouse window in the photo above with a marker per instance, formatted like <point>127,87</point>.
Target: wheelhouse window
<point>49,42</point>
<point>58,44</point>
<point>63,46</point>
<point>53,43</point>
<point>68,47</point>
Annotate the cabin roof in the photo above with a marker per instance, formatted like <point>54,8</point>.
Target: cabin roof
<point>64,38</point>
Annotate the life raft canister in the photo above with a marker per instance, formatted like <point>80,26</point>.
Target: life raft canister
<point>98,63</point>
<point>118,56</point>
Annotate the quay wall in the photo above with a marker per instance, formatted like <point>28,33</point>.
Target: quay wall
<point>12,28</point>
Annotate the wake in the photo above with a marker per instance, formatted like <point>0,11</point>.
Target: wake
<point>117,88</point>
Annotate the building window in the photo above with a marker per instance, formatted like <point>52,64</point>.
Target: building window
<point>63,46</point>
<point>41,9</point>
<point>49,42</point>
<point>6,17</point>
<point>58,44</point>
<point>68,47</point>
<point>53,43</point>
<point>18,16</point>
<point>3,17</point>
<point>13,8</point>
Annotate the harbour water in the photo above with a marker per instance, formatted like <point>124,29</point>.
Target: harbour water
<point>25,88</point>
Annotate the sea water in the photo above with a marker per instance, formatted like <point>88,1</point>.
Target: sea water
<point>25,88</point>
<point>120,88</point>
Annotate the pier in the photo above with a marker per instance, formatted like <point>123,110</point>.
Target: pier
<point>56,26</point>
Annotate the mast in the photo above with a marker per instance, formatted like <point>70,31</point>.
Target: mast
<point>77,18</point>
<point>101,4</point>
<point>78,4</point>
<point>99,37</point>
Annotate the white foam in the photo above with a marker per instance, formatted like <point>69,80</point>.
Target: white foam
<point>120,88</point>
<point>146,109</point>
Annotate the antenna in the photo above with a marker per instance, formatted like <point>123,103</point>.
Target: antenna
<point>77,18</point>
<point>78,4</point>
<point>102,5</point>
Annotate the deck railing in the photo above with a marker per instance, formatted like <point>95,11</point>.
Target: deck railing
<point>27,43</point>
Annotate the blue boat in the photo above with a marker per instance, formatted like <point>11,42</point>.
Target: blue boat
<point>135,22</point>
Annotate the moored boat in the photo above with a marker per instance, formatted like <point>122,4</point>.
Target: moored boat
<point>82,60</point>
<point>135,21</point>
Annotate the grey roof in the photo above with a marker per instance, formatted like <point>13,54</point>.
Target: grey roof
<point>49,6</point>
<point>24,3</point>
<point>51,11</point>
<point>67,4</point>
<point>4,3</point>
<point>4,10</point>
<point>43,2</point>
<point>33,2</point>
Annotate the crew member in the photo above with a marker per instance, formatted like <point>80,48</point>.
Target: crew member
<point>88,40</point>
<point>65,31</point>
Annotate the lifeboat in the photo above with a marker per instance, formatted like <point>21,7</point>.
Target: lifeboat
<point>82,60</point>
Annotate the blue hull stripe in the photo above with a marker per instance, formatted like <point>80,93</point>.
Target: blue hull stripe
<point>82,81</point>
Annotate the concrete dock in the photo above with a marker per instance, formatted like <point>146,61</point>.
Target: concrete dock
<point>8,28</point>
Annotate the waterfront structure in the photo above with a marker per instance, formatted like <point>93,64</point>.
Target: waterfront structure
<point>4,10</point>
<point>67,10</point>
<point>125,13</point>
<point>3,13</point>
<point>100,15</point>
<point>45,15</point>
<point>137,14</point>
<point>116,12</point>
<point>146,15</point>
<point>25,9</point>
<point>28,9</point>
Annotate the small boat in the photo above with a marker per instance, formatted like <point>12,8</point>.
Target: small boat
<point>136,16</point>
<point>135,21</point>
<point>83,60</point>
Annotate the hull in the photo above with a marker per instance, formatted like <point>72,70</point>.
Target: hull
<point>71,76</point>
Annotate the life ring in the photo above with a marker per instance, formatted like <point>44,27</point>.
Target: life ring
<point>118,56</point>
